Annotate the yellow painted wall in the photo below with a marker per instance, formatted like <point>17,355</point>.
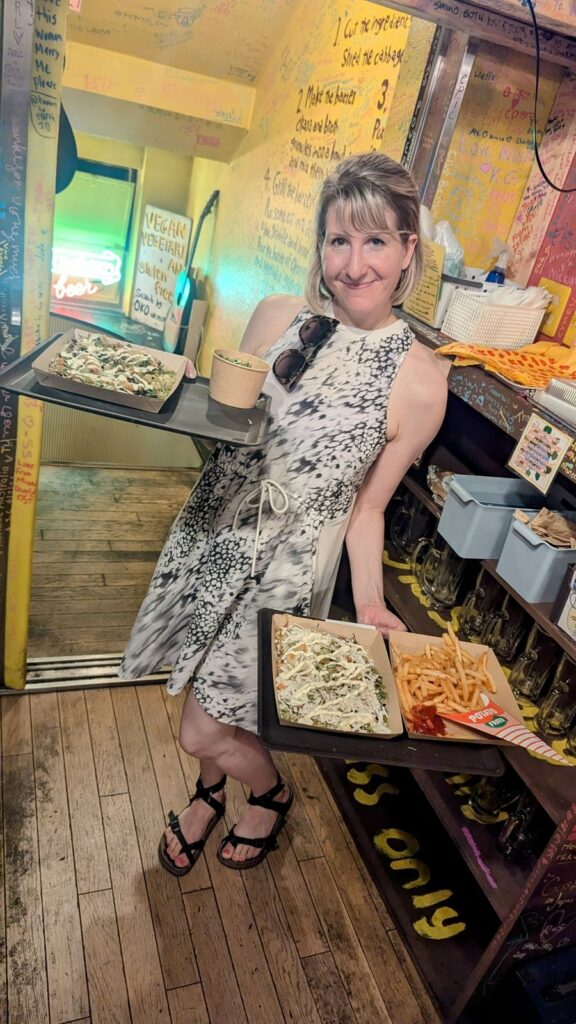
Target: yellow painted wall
<point>125,77</point>
<point>109,151</point>
<point>262,230</point>
<point>326,92</point>
<point>409,81</point>
<point>490,157</point>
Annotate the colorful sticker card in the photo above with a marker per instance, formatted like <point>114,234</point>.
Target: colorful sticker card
<point>538,455</point>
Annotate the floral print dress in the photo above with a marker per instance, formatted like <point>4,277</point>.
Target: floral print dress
<point>264,527</point>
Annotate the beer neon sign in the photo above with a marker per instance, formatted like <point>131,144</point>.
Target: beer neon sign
<point>81,273</point>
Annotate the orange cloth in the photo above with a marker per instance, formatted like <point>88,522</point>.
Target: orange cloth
<point>534,365</point>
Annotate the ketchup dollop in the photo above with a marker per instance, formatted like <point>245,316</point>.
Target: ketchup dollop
<point>426,720</point>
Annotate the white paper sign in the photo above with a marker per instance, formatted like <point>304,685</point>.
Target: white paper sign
<point>161,256</point>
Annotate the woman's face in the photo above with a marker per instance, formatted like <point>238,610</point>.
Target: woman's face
<point>362,269</point>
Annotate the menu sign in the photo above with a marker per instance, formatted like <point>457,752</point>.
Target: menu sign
<point>161,256</point>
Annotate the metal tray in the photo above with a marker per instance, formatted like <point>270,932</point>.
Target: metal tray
<point>431,754</point>
<point>190,410</point>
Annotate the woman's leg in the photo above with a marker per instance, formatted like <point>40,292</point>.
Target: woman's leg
<point>194,818</point>
<point>234,751</point>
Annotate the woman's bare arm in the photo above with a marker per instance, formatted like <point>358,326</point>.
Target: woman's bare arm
<point>420,403</point>
<point>268,322</point>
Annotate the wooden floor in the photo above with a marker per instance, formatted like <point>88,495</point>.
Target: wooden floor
<point>98,536</point>
<point>95,931</point>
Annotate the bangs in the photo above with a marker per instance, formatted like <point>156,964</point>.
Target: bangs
<point>364,212</point>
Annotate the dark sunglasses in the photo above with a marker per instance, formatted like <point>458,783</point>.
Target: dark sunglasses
<point>290,364</point>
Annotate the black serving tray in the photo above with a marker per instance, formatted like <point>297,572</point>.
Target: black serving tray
<point>474,759</point>
<point>190,410</point>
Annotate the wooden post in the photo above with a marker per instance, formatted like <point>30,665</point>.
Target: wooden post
<point>33,60</point>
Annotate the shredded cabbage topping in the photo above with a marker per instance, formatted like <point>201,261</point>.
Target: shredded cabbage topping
<point>105,363</point>
<point>328,681</point>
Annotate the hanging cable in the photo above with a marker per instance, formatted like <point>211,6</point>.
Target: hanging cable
<point>557,188</point>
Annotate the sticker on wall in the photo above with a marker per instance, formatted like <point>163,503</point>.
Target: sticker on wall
<point>538,455</point>
<point>560,294</point>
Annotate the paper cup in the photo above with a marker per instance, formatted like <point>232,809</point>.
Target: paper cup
<point>237,378</point>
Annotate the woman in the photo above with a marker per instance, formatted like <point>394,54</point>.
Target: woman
<point>355,399</point>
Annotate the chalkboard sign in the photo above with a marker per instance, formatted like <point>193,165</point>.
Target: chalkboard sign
<point>162,252</point>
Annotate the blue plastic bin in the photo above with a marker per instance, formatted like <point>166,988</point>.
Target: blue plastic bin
<point>534,568</point>
<point>478,512</point>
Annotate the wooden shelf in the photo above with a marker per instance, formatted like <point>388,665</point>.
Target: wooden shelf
<point>492,397</point>
<point>444,966</point>
<point>501,880</point>
<point>553,786</point>
<point>539,612</point>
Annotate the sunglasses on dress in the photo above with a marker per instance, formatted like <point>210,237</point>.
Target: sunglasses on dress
<point>290,364</point>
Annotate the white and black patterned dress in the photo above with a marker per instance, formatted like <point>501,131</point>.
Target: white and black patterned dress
<point>223,561</point>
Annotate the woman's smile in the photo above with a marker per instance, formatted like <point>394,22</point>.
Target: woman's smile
<point>362,269</point>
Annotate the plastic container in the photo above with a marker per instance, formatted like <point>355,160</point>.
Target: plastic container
<point>534,568</point>
<point>473,321</point>
<point>237,378</point>
<point>478,511</point>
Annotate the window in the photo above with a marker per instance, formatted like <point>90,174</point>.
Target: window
<point>92,223</point>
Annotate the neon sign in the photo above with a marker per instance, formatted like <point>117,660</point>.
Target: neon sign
<point>64,288</point>
<point>84,273</point>
<point>104,266</point>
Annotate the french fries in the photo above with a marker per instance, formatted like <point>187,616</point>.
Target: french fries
<point>444,677</point>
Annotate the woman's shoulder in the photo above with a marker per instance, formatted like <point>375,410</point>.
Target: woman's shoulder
<point>280,307</point>
<point>426,373</point>
<point>270,319</point>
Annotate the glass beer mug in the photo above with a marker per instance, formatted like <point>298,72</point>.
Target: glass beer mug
<point>477,604</point>
<point>534,668</point>
<point>558,711</point>
<point>408,523</point>
<point>438,570</point>
<point>491,796</point>
<point>505,629</point>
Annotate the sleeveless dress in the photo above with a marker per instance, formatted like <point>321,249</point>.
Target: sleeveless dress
<point>264,527</point>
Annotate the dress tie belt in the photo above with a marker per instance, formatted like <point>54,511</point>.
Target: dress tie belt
<point>278,500</point>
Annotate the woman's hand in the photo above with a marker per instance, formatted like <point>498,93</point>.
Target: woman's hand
<point>378,615</point>
<point>190,369</point>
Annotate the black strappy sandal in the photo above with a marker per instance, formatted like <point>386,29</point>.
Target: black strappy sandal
<point>266,844</point>
<point>192,850</point>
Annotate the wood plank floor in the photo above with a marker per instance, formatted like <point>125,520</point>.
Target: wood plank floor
<point>96,931</point>
<point>93,930</point>
<point>98,536</point>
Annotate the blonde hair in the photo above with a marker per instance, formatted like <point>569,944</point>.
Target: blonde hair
<point>365,190</point>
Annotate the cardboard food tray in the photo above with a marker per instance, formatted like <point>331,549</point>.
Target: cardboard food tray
<point>371,641</point>
<point>49,379</point>
<point>475,759</point>
<point>415,643</point>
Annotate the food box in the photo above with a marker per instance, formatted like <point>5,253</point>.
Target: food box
<point>50,379</point>
<point>370,640</point>
<point>415,643</point>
